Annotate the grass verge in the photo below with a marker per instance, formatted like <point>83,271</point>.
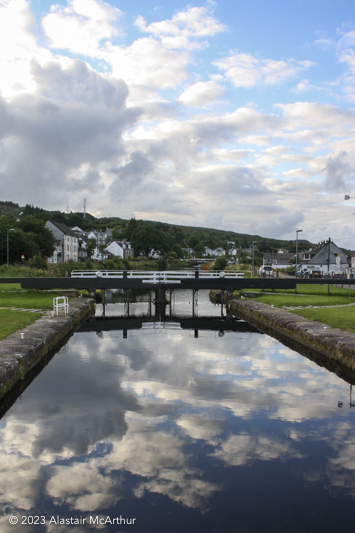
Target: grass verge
<point>338,317</point>
<point>10,287</point>
<point>11,321</point>
<point>27,300</point>
<point>307,295</point>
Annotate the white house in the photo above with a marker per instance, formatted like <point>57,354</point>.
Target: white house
<point>99,236</point>
<point>327,257</point>
<point>122,249</point>
<point>67,243</point>
<point>218,252</point>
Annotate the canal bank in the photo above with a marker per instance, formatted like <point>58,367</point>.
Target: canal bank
<point>22,350</point>
<point>334,344</point>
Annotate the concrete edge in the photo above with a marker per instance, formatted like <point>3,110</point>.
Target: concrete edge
<point>332,343</point>
<point>19,355</point>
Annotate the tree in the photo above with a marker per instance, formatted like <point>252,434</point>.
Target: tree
<point>199,249</point>
<point>39,234</point>
<point>221,263</point>
<point>179,236</point>
<point>90,247</point>
<point>146,238</point>
<point>131,228</point>
<point>116,232</point>
<point>178,250</point>
<point>193,240</point>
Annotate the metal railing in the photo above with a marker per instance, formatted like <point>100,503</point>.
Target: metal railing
<point>167,276</point>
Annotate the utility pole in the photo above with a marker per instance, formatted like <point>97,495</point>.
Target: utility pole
<point>328,261</point>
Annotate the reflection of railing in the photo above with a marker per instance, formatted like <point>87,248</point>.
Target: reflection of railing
<point>168,276</point>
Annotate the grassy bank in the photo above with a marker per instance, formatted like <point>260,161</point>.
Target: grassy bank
<point>338,317</point>
<point>11,321</point>
<point>13,296</point>
<point>316,295</point>
<point>27,299</point>
<point>307,295</point>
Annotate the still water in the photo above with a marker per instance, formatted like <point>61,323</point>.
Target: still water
<point>163,429</point>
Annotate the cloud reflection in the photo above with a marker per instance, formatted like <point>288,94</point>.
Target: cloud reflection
<point>149,406</point>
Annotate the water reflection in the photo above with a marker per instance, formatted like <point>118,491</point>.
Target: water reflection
<point>209,434</point>
<point>182,302</point>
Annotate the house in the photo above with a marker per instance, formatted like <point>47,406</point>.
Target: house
<point>78,230</point>
<point>122,249</point>
<point>99,237</point>
<point>218,252</point>
<point>207,251</point>
<point>108,234</point>
<point>66,240</point>
<point>326,257</point>
<point>100,255</point>
<point>82,253</point>
<point>277,259</point>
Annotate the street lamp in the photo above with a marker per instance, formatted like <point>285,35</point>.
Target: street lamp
<point>297,232</point>
<point>8,261</point>
<point>347,197</point>
<point>253,243</point>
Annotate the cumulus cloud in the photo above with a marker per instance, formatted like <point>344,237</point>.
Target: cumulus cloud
<point>201,94</point>
<point>61,133</point>
<point>246,70</point>
<point>81,26</point>
<point>131,123</point>
<point>193,22</point>
<point>18,46</point>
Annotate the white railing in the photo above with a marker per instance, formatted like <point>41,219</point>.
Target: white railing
<point>167,276</point>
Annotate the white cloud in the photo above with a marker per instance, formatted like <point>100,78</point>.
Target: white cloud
<point>82,26</point>
<point>245,70</point>
<point>201,94</point>
<point>18,46</point>
<point>194,22</point>
<point>147,66</point>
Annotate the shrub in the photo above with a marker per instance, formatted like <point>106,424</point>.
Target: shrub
<point>37,261</point>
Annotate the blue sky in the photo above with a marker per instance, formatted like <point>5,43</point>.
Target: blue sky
<point>223,114</point>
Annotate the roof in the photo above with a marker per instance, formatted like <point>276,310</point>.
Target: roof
<point>323,252</point>
<point>63,228</point>
<point>274,255</point>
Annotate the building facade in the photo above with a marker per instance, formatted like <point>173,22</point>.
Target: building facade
<point>67,243</point>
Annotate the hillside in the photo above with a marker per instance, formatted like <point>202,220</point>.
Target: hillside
<point>159,235</point>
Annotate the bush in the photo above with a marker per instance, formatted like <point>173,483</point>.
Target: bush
<point>162,265</point>
<point>37,261</point>
<point>221,263</point>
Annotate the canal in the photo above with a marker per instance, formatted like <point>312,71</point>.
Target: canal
<point>158,427</point>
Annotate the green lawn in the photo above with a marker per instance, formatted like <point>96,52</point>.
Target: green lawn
<point>338,317</point>
<point>307,295</point>
<point>28,299</point>
<point>10,287</point>
<point>335,317</point>
<point>11,321</point>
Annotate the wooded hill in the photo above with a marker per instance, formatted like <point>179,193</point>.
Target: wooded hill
<point>144,235</point>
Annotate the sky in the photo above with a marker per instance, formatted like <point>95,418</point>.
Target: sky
<point>230,115</point>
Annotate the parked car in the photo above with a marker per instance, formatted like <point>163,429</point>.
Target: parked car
<point>338,274</point>
<point>315,273</point>
<point>266,271</point>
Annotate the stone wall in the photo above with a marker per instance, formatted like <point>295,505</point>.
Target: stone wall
<point>22,350</point>
<point>332,343</point>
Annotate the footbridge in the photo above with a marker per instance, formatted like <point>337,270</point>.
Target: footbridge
<point>131,279</point>
<point>180,279</point>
